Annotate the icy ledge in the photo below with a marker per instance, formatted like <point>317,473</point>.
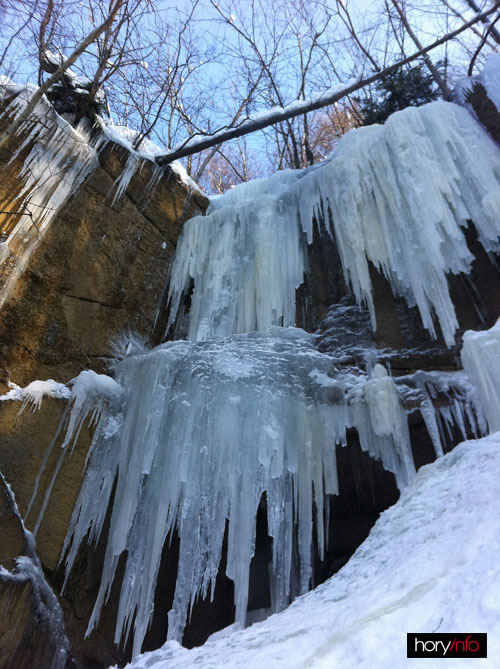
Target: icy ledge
<point>430,561</point>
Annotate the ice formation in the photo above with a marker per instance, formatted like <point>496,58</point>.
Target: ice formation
<point>481,361</point>
<point>209,428</point>
<point>398,195</point>
<point>46,610</point>
<point>489,77</point>
<point>444,400</point>
<point>59,160</point>
<point>34,393</point>
<point>198,432</point>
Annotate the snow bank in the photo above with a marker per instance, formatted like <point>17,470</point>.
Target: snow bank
<point>430,563</point>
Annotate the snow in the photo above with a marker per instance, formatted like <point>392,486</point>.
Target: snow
<point>267,117</point>
<point>400,196</point>
<point>430,563</point>
<point>481,361</point>
<point>33,394</point>
<point>90,394</point>
<point>148,150</point>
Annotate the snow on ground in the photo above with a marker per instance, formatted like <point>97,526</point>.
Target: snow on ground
<point>430,563</point>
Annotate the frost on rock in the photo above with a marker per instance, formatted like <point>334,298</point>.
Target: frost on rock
<point>481,361</point>
<point>45,609</point>
<point>209,428</point>
<point>399,196</point>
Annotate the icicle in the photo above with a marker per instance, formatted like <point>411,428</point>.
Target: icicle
<point>383,427</point>
<point>246,258</point>
<point>33,394</point>
<point>122,181</point>
<point>46,608</point>
<point>60,159</point>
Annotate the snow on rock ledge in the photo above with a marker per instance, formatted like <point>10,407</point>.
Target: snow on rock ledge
<point>430,561</point>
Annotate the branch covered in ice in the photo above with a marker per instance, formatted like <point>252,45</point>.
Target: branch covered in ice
<point>299,107</point>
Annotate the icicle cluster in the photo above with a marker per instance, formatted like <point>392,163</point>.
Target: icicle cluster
<point>246,259</point>
<point>445,400</point>
<point>398,195</point>
<point>46,610</point>
<point>481,361</point>
<point>209,428</point>
<point>59,160</point>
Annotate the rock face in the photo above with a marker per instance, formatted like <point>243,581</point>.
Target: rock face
<point>99,270</point>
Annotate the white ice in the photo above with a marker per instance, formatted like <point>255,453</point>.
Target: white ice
<point>59,160</point>
<point>208,429</point>
<point>33,394</point>
<point>481,361</point>
<point>399,196</point>
<point>489,77</point>
<point>45,607</point>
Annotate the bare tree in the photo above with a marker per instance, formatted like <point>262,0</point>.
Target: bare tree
<point>425,56</point>
<point>114,8</point>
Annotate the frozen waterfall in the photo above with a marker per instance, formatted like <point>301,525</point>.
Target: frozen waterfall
<point>201,430</point>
